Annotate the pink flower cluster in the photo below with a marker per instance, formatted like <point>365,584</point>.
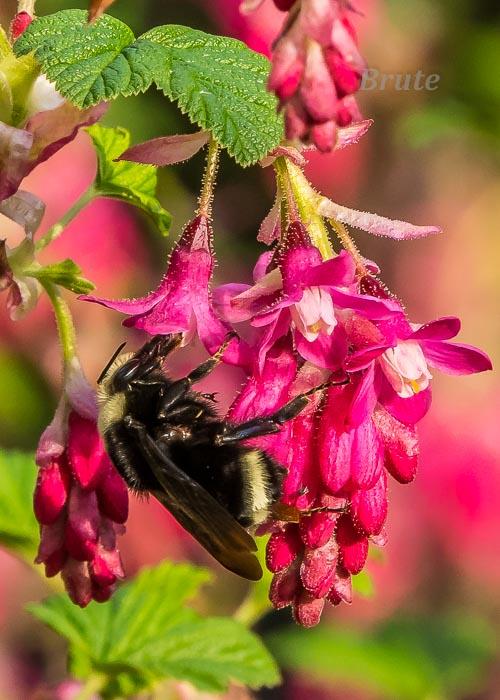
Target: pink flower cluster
<point>80,500</point>
<point>313,319</point>
<point>316,70</point>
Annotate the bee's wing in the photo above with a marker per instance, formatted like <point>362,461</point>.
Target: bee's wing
<point>202,516</point>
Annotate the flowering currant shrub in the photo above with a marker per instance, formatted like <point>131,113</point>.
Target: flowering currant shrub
<point>317,315</point>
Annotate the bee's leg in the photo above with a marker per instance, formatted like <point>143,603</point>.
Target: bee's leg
<point>267,425</point>
<point>179,388</point>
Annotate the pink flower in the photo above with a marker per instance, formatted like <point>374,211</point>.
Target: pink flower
<point>402,358</point>
<point>304,294</point>
<point>23,291</point>
<point>316,70</point>
<point>182,301</point>
<point>80,500</point>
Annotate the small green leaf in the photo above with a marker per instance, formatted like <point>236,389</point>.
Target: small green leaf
<point>18,526</point>
<point>221,85</point>
<point>66,274</point>
<point>145,634</point>
<point>130,182</point>
<point>90,63</point>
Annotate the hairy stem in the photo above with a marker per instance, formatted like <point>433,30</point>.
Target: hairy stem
<point>64,320</point>
<point>209,177</point>
<point>26,6</point>
<point>349,245</point>
<point>56,230</point>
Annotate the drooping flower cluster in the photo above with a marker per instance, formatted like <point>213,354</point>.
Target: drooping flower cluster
<point>317,69</point>
<point>80,500</point>
<point>316,316</point>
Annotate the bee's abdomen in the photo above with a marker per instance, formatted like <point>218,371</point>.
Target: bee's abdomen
<point>128,459</point>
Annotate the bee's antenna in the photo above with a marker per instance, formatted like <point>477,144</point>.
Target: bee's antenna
<point>113,358</point>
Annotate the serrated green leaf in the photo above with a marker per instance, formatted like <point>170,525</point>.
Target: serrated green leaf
<point>221,85</point>
<point>130,182</point>
<point>210,653</point>
<point>145,634</point>
<point>18,526</point>
<point>90,63</point>
<point>66,274</point>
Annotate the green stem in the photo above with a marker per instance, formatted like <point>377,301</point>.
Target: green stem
<point>251,610</point>
<point>209,177</point>
<point>27,6</point>
<point>56,230</point>
<point>64,320</point>
<point>92,685</point>
<point>349,245</point>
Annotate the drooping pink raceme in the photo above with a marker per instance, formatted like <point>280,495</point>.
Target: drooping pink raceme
<point>80,500</point>
<point>317,69</point>
<point>182,302</point>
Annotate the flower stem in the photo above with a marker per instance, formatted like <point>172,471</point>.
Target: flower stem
<point>26,6</point>
<point>347,242</point>
<point>56,230</point>
<point>252,609</point>
<point>209,177</point>
<point>64,320</point>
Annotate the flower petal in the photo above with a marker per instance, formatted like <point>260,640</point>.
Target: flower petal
<point>441,329</point>
<point>269,230</point>
<point>353,545</point>
<point>455,358</point>
<point>369,507</point>
<point>401,446</point>
<point>167,150</point>
<point>25,209</point>
<point>365,305</point>
<point>327,351</point>
<point>377,225</point>
<point>406,410</point>
<point>15,147</point>
<point>350,135</point>
<point>339,271</point>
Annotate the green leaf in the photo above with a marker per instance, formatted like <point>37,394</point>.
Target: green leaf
<point>217,81</point>
<point>145,634</point>
<point>66,274</point>
<point>18,526</point>
<point>130,182</point>
<point>405,659</point>
<point>90,63</point>
<point>221,85</point>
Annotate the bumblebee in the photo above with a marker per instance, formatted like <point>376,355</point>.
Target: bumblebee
<point>166,439</point>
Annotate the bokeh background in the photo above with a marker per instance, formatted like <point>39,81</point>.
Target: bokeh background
<point>427,625</point>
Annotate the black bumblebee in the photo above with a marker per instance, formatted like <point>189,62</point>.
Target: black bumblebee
<point>166,439</point>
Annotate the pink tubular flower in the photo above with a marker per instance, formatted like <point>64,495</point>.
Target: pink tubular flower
<point>316,70</point>
<point>304,294</point>
<point>182,301</point>
<point>402,358</point>
<point>80,500</point>
<point>20,23</point>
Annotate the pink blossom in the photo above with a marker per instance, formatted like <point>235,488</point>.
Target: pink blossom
<point>182,302</point>
<point>403,356</point>
<point>20,23</point>
<point>304,294</point>
<point>316,70</point>
<point>80,500</point>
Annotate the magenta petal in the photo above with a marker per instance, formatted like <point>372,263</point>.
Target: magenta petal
<point>51,492</point>
<point>276,330</point>
<point>353,545</point>
<point>401,446</point>
<point>317,571</point>
<point>112,495</point>
<point>440,329</point>
<point>369,507</point>
<point>285,586</point>
<point>222,298</point>
<point>327,351</point>
<point>86,455</point>
<point>455,358</point>
<point>366,456</point>
<point>339,271</point>
<point>365,305</point>
<point>167,150</point>
<point>269,229</point>
<point>307,609</point>
<point>130,306</point>
<point>364,358</point>
<point>82,528</point>
<point>364,399</point>
<point>260,270</point>
<point>408,411</point>
<point>317,528</point>
<point>283,548</point>
<point>377,225</point>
